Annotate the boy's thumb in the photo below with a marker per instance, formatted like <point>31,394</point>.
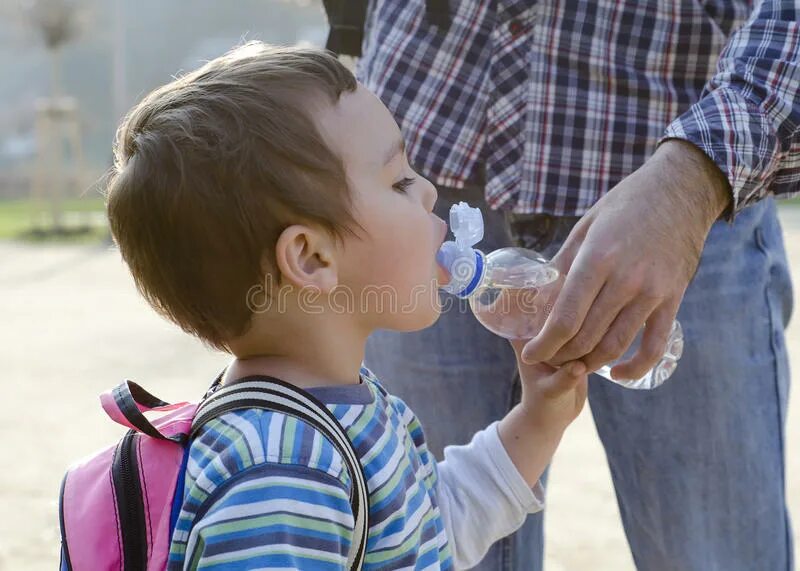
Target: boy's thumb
<point>576,368</point>
<point>566,377</point>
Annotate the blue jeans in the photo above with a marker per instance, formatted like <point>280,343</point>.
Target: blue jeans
<point>698,464</point>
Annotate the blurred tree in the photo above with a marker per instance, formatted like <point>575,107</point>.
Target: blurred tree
<point>58,23</point>
<point>57,122</point>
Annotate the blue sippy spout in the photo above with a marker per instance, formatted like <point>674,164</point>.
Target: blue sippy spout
<point>463,263</point>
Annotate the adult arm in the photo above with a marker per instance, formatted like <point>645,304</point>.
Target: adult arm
<point>631,257</point>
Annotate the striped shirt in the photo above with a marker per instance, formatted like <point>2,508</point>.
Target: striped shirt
<point>267,491</point>
<point>550,103</point>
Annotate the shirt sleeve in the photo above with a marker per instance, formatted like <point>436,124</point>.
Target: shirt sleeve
<point>274,516</point>
<point>482,496</point>
<point>747,118</point>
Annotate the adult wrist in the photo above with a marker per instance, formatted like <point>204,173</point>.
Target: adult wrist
<point>701,181</point>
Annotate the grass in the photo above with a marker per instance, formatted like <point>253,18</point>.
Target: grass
<point>82,221</point>
<point>17,220</point>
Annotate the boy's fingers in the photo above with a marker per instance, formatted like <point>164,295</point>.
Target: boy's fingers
<point>565,378</point>
<point>538,370</point>
<point>576,368</point>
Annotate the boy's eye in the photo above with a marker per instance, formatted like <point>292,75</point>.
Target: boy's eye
<point>403,185</point>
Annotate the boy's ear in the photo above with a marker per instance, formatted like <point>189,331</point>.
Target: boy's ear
<point>305,258</point>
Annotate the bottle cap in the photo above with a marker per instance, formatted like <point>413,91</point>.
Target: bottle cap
<point>463,263</point>
<point>466,224</point>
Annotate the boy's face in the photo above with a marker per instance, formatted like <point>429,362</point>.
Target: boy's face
<point>390,267</point>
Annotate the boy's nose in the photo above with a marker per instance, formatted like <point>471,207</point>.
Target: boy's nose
<point>430,195</point>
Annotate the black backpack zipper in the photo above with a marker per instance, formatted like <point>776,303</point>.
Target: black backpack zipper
<point>130,507</point>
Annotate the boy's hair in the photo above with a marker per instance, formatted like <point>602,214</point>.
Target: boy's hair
<point>212,167</point>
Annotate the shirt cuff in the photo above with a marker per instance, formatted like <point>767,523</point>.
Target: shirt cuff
<point>738,137</point>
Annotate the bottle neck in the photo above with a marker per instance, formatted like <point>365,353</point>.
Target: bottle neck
<point>467,274</point>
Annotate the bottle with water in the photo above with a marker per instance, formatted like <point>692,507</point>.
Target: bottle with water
<point>512,290</point>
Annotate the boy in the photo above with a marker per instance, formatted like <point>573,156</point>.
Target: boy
<point>264,204</point>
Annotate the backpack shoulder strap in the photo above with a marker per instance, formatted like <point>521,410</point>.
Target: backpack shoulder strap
<point>279,396</point>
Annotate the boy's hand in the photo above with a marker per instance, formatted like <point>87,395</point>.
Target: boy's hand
<point>551,399</point>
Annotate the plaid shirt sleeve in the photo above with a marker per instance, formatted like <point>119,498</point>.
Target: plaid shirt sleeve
<point>747,119</point>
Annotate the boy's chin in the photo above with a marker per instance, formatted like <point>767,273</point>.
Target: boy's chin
<point>414,322</point>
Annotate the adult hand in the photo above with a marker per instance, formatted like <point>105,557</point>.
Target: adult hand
<point>629,260</point>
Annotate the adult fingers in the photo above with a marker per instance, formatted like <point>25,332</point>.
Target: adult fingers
<point>565,256</point>
<point>610,301</point>
<point>653,345</point>
<point>622,332</point>
<point>581,286</point>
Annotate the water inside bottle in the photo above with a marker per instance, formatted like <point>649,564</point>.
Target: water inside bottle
<point>514,312</point>
<point>520,313</point>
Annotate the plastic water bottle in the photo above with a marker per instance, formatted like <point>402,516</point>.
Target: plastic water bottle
<point>512,290</point>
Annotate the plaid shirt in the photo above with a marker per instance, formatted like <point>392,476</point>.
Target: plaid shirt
<point>550,104</point>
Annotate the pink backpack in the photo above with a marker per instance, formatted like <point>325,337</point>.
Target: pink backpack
<point>118,508</point>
